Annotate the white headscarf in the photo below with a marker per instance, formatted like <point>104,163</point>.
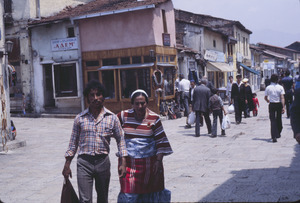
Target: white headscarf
<point>139,90</point>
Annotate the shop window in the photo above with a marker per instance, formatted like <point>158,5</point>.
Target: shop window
<point>92,63</point>
<point>133,79</point>
<point>110,62</point>
<point>125,60</point>
<point>169,78</point>
<point>221,80</point>
<point>136,59</point>
<point>147,59</point>
<point>172,58</point>
<point>108,81</point>
<point>65,78</point>
<point>167,58</point>
<point>211,77</point>
<point>7,6</point>
<point>93,75</point>
<point>214,43</point>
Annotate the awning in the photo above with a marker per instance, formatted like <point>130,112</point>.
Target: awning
<point>250,69</point>
<point>218,66</point>
<point>138,65</point>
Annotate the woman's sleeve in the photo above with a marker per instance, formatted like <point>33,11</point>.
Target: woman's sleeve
<point>162,143</point>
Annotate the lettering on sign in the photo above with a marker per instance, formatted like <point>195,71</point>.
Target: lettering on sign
<point>64,44</point>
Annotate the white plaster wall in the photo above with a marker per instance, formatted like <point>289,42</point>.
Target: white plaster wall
<point>193,37</point>
<point>41,44</point>
<point>209,36</point>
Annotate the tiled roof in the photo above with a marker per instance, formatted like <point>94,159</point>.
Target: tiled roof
<point>96,7</point>
<point>223,25</point>
<point>277,55</point>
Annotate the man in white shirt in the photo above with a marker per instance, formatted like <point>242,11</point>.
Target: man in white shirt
<point>184,87</point>
<point>274,95</point>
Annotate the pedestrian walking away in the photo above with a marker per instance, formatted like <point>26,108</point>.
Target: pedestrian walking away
<point>238,98</point>
<point>147,144</point>
<point>92,130</point>
<point>184,86</point>
<point>274,95</point>
<point>200,106</point>
<point>217,108</point>
<point>287,83</point>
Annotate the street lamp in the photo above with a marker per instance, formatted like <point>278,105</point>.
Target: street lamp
<point>8,48</point>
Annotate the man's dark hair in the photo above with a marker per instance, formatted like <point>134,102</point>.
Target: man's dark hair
<point>181,76</point>
<point>214,90</point>
<point>287,73</point>
<point>274,78</point>
<point>93,84</point>
<point>137,94</point>
<point>230,77</point>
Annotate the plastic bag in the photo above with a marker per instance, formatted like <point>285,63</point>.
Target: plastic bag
<point>230,109</point>
<point>68,194</point>
<point>226,122</point>
<point>192,118</point>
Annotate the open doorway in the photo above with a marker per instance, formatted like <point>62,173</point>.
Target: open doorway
<point>48,86</point>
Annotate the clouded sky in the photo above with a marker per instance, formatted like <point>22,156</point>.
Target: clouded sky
<point>275,22</point>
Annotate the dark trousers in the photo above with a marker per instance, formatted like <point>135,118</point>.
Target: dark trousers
<point>288,97</point>
<point>238,108</point>
<point>275,114</point>
<point>185,96</point>
<point>88,169</point>
<point>216,114</point>
<point>207,121</point>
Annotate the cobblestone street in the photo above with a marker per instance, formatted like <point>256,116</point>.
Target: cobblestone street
<point>243,166</point>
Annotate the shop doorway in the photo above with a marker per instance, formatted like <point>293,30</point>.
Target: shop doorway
<point>48,86</point>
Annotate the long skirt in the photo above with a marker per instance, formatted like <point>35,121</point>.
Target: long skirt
<point>141,184</point>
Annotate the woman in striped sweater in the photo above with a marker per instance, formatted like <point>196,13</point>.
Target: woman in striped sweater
<point>146,144</point>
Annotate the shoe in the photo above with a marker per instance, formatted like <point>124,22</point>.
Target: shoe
<point>188,126</point>
<point>209,132</point>
<point>197,135</point>
<point>238,122</point>
<point>212,136</point>
<point>223,132</point>
<point>274,140</point>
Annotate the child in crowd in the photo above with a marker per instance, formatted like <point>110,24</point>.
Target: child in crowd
<point>216,107</point>
<point>255,104</point>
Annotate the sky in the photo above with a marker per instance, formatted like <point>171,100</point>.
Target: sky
<point>274,22</point>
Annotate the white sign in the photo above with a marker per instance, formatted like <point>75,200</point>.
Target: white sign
<point>64,44</point>
<point>215,56</point>
<point>239,57</point>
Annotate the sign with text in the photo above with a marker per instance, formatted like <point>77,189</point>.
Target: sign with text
<point>64,44</point>
<point>166,39</point>
<point>216,56</point>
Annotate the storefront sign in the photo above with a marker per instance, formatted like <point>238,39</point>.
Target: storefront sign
<point>239,57</point>
<point>215,56</point>
<point>64,44</point>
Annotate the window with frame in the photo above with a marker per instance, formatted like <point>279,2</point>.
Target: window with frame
<point>214,43</point>
<point>133,79</point>
<point>7,6</point>
<point>211,77</point>
<point>221,79</point>
<point>169,78</point>
<point>71,32</point>
<point>93,75</point>
<point>65,80</point>
<point>108,81</point>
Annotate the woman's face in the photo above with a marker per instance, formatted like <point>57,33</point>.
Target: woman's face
<point>140,105</point>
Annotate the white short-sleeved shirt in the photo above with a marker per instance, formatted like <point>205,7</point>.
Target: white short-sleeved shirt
<point>274,91</point>
<point>184,85</point>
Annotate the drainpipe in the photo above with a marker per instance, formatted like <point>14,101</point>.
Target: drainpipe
<point>38,9</point>
<point>80,74</point>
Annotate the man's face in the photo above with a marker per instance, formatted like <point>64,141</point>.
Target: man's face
<point>231,79</point>
<point>140,105</point>
<point>95,99</point>
<point>192,84</point>
<point>238,79</point>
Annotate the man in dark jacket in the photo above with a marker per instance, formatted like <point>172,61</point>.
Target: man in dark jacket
<point>238,98</point>
<point>200,106</point>
<point>287,83</point>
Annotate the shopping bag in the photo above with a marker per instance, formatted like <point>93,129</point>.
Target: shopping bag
<point>230,109</point>
<point>68,194</point>
<point>226,122</point>
<point>192,118</point>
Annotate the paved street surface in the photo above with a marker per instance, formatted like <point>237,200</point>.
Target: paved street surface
<point>244,166</point>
